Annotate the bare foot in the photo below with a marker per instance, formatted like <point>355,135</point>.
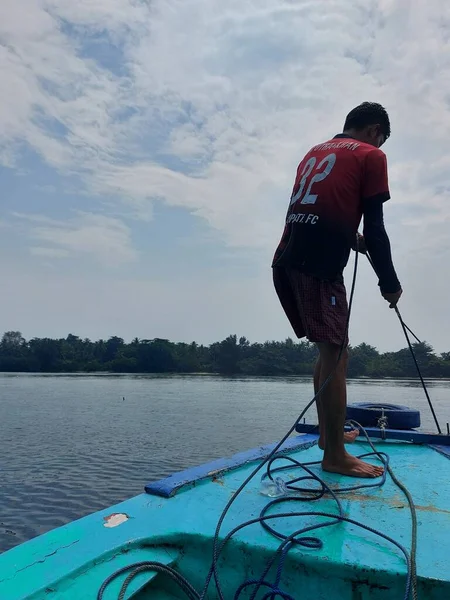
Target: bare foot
<point>349,438</point>
<point>351,466</point>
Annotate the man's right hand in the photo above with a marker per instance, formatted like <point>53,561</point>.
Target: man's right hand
<point>393,298</point>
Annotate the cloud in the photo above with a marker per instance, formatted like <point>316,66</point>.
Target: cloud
<point>49,252</point>
<point>209,106</point>
<point>49,189</point>
<point>105,239</point>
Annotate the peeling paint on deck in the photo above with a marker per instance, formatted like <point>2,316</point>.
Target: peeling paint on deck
<point>115,519</point>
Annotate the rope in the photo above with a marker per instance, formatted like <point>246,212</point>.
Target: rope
<point>413,354</point>
<point>141,567</point>
<point>216,551</point>
<point>430,404</point>
<point>276,591</point>
<point>412,509</point>
<point>298,537</point>
<point>213,569</point>
<point>315,543</point>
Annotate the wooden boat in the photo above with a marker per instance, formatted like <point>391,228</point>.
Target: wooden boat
<point>164,537</point>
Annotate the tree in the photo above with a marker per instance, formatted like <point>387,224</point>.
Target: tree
<point>14,355</point>
<point>187,358</point>
<point>13,343</point>
<point>113,347</point>
<point>155,356</point>
<point>226,356</point>
<point>361,360</point>
<point>46,353</point>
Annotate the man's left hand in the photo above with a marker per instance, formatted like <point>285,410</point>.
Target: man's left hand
<point>361,243</point>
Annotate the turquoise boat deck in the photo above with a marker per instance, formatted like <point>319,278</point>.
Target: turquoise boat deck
<point>71,562</point>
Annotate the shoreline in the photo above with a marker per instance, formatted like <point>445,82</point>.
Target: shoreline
<point>203,374</point>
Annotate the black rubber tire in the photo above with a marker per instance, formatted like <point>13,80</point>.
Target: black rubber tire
<point>398,416</point>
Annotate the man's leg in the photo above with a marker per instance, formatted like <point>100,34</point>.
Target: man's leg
<point>349,436</point>
<point>317,370</point>
<point>333,401</point>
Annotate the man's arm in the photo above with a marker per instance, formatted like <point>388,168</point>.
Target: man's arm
<point>379,247</point>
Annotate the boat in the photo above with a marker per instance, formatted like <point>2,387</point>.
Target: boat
<point>292,531</point>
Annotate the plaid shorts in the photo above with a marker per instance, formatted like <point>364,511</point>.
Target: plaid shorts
<point>316,309</point>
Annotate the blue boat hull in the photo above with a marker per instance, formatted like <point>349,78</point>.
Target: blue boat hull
<point>173,524</point>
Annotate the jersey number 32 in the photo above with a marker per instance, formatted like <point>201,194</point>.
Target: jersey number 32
<point>321,172</point>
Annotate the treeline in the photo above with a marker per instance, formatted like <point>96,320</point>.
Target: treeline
<point>231,356</point>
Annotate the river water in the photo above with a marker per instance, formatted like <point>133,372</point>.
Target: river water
<point>73,444</point>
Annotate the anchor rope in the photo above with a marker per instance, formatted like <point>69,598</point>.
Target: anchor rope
<point>406,329</point>
<point>213,569</point>
<point>298,537</point>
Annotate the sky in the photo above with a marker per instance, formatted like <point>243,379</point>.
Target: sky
<point>148,152</point>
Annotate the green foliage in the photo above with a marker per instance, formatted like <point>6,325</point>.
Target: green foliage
<point>231,356</point>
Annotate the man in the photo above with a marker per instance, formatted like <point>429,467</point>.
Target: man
<point>337,183</point>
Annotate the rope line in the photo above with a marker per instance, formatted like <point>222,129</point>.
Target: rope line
<point>213,569</point>
<point>295,491</point>
<point>406,329</point>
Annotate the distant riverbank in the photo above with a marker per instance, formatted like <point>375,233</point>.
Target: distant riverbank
<point>237,376</point>
<point>231,356</point>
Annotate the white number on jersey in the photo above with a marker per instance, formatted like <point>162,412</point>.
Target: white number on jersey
<point>308,198</point>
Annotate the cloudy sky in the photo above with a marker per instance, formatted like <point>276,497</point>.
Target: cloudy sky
<point>148,151</point>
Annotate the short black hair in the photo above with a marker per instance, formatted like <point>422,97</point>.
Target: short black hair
<point>368,113</point>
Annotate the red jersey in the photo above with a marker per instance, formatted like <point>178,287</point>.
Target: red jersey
<point>334,181</point>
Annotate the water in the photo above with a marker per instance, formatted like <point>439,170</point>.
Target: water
<point>70,445</point>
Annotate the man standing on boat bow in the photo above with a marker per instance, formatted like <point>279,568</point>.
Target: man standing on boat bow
<point>338,182</point>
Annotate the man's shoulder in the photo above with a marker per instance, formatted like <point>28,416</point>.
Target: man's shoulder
<point>373,151</point>
<point>351,152</point>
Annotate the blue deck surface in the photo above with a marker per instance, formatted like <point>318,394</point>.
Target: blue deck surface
<point>72,561</point>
